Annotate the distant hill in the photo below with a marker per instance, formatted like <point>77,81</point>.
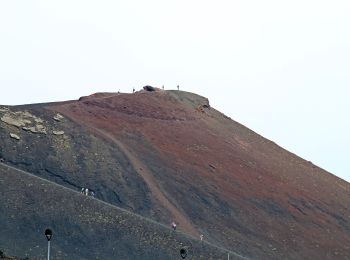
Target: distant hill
<point>167,156</point>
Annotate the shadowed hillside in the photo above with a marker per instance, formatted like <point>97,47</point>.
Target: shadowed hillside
<point>83,227</point>
<point>168,155</point>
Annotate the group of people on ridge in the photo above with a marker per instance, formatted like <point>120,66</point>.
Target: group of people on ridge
<point>86,192</point>
<point>173,226</point>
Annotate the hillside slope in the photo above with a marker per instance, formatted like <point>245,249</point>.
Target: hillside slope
<point>83,227</point>
<point>168,155</point>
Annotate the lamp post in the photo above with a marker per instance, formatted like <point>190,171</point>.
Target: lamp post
<point>48,234</point>
<point>183,253</point>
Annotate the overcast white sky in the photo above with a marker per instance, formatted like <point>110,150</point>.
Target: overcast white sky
<point>281,68</point>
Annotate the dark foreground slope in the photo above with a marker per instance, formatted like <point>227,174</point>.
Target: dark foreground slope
<point>83,227</point>
<point>168,155</point>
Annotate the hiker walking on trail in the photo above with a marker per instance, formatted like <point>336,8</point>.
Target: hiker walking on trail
<point>201,237</point>
<point>86,191</point>
<point>93,194</point>
<point>173,225</point>
<point>82,190</point>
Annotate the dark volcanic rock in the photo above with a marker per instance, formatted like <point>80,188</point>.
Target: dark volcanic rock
<point>76,159</point>
<point>83,227</point>
<point>168,155</point>
<point>149,88</point>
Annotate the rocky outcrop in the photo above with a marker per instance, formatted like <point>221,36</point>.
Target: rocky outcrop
<point>15,121</point>
<point>58,117</point>
<point>58,132</point>
<point>24,120</point>
<point>14,136</point>
<point>35,129</point>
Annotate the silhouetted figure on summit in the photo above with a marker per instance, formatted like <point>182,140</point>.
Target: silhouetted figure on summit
<point>178,87</point>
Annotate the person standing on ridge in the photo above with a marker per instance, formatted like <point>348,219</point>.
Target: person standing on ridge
<point>173,225</point>
<point>178,87</point>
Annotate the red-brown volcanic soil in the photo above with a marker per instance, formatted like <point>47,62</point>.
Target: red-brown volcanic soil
<point>218,178</point>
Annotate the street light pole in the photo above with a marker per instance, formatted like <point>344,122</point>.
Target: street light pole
<point>48,250</point>
<point>48,234</point>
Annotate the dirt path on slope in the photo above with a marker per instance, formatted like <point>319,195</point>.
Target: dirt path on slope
<point>183,221</point>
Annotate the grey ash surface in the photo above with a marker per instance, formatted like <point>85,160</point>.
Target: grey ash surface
<point>83,227</point>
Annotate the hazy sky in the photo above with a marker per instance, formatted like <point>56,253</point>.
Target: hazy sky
<point>281,68</point>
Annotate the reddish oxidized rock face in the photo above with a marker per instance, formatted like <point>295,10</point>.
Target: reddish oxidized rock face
<point>219,178</point>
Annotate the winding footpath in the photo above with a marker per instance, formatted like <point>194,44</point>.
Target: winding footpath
<point>158,194</point>
<point>156,191</point>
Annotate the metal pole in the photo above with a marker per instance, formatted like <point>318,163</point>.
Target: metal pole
<point>48,250</point>
<point>228,256</point>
